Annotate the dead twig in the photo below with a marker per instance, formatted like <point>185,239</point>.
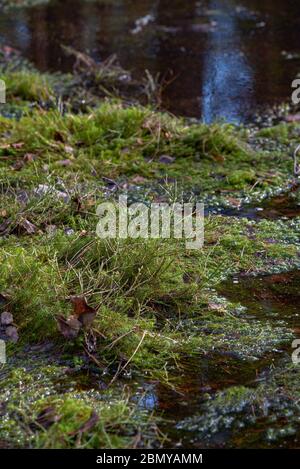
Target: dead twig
<point>94,359</point>
<point>129,360</point>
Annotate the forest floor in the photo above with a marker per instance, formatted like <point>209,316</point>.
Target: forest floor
<point>180,347</point>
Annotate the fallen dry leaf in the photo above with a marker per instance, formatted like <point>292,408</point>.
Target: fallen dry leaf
<point>69,327</point>
<point>4,227</point>
<point>6,318</point>
<point>83,316</point>
<point>26,226</point>
<point>218,158</point>
<point>29,157</point>
<point>18,145</point>
<point>23,226</point>
<point>85,313</point>
<point>12,333</point>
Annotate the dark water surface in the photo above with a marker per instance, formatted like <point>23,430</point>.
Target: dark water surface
<point>283,206</point>
<point>227,58</point>
<point>273,297</point>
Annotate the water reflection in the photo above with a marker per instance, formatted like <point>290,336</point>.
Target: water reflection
<point>222,72</point>
<point>227,76</point>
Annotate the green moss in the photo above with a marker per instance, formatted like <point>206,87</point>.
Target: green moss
<point>139,289</point>
<point>240,178</point>
<point>28,395</point>
<point>117,142</point>
<point>32,282</point>
<point>27,86</point>
<point>283,132</point>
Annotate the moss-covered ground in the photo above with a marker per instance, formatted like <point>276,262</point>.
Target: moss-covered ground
<point>155,302</point>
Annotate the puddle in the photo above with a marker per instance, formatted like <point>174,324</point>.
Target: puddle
<point>228,51</point>
<point>274,298</point>
<point>282,206</point>
<point>200,378</point>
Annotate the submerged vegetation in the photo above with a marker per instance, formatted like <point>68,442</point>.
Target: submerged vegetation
<point>151,303</point>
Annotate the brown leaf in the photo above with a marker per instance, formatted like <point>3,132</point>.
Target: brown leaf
<point>6,318</point>
<point>85,313</point>
<point>69,327</point>
<point>12,333</point>
<point>218,158</point>
<point>4,227</point>
<point>86,319</point>
<point>27,226</point>
<point>29,157</point>
<point>17,145</point>
<point>23,226</point>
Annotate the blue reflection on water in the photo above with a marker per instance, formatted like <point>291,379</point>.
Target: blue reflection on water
<point>147,398</point>
<point>227,76</point>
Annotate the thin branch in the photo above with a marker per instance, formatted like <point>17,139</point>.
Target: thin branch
<point>129,360</point>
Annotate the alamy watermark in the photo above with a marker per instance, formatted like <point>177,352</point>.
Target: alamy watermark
<point>296,93</point>
<point>157,220</point>
<point>296,101</point>
<point>296,352</point>
<point>2,92</point>
<point>2,352</point>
